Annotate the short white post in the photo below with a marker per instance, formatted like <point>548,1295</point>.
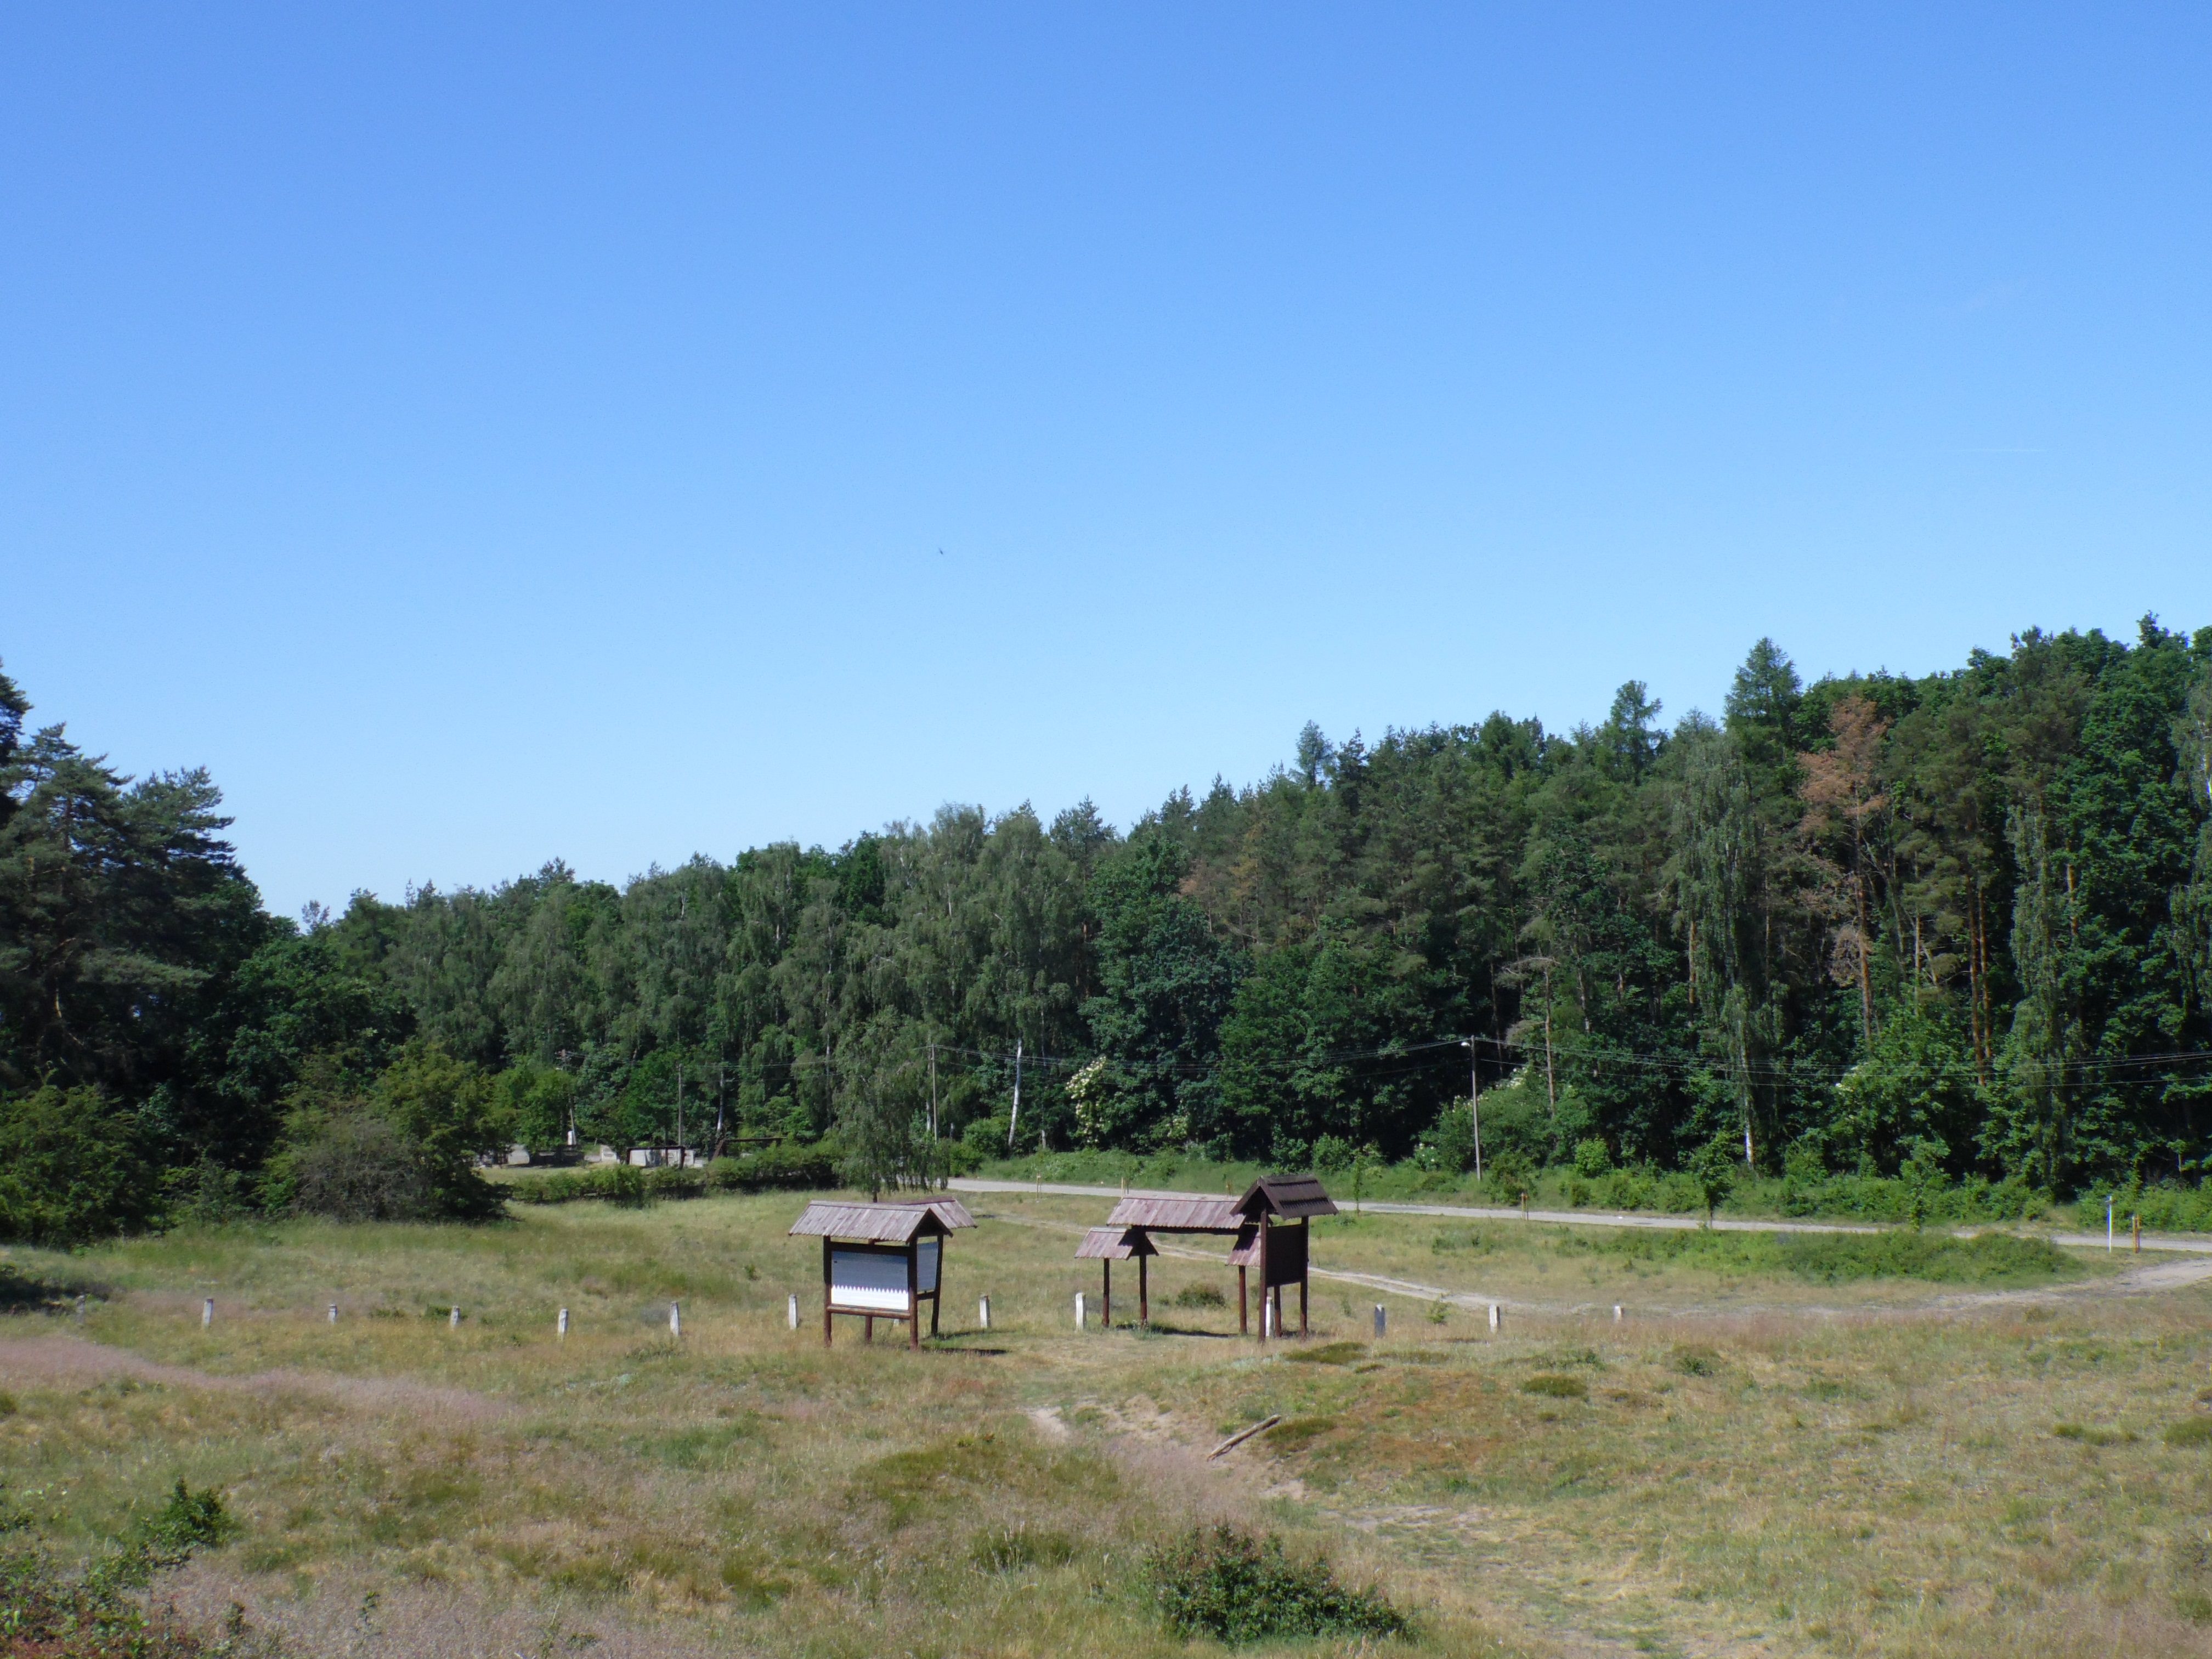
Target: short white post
<point>334,1313</point>
<point>1266,1315</point>
<point>1381,1319</point>
<point>1497,1317</point>
<point>983,1311</point>
<point>1079,1311</point>
<point>1616,1313</point>
<point>791,1313</point>
<point>676,1319</point>
<point>207,1312</point>
<point>453,1320</point>
<point>560,1325</point>
<point>80,1309</point>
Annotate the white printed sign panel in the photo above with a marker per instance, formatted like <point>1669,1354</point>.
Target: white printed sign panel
<point>867,1281</point>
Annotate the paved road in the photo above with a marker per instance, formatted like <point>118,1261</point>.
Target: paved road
<point>1581,1218</point>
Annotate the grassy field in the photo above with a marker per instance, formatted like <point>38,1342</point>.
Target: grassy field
<point>1785,1446</point>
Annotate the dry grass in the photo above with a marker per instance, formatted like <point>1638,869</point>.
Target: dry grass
<point>1772,1480</point>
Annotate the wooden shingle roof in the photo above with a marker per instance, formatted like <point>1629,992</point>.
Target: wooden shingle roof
<point>1286,1197</point>
<point>881,1224</point>
<point>1177,1215</point>
<point>1114,1244</point>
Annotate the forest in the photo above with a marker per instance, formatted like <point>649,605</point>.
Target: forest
<point>1961,922</point>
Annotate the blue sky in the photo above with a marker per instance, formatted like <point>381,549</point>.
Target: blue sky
<point>487,434</point>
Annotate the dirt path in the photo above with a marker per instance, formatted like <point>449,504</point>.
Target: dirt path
<point>30,1362</point>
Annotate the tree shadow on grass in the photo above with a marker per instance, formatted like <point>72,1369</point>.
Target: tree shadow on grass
<point>25,1290</point>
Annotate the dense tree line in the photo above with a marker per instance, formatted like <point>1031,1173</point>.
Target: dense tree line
<point>1963,920</point>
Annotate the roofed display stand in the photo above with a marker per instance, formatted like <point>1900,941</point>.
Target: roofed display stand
<point>882,1260</point>
<point>1258,1221</point>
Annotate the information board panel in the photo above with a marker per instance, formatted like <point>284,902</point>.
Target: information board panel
<point>869,1281</point>
<point>1286,1255</point>
<point>925,1274</point>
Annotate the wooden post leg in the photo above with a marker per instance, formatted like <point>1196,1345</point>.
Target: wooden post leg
<point>913,1330</point>
<point>1144,1295</point>
<point>1105,1296</point>
<point>1302,1307</point>
<point>938,1300</point>
<point>825,1324</point>
<point>1244,1306</point>
<point>867,1328</point>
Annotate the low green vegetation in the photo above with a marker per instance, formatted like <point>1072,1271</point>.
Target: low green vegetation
<point>1760,1482</point>
<point>1223,1582</point>
<point>1994,1259</point>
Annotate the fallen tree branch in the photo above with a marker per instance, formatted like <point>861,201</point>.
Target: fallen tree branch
<point>1242,1435</point>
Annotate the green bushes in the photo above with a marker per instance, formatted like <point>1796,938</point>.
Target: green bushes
<point>1838,1258</point>
<point>93,1616</point>
<point>788,1166</point>
<point>1223,1582</point>
<point>71,1168</point>
<point>785,1166</point>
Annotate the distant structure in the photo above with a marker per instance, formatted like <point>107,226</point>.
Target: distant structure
<point>882,1260</point>
<point>1259,1222</point>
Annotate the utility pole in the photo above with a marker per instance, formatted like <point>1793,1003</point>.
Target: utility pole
<point>1474,1104</point>
<point>1014,1123</point>
<point>932,1091</point>
<point>679,1114</point>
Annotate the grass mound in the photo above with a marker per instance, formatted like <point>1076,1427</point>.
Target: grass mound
<point>1223,1582</point>
<point>1199,1296</point>
<point>1329,1353</point>
<point>1839,1258</point>
<point>1558,1385</point>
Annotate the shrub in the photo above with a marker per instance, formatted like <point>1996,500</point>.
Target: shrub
<point>1223,1582</point>
<point>2190,1431</point>
<point>1592,1160</point>
<point>1508,1175</point>
<point>355,1166</point>
<point>71,1168</point>
<point>1557,1385</point>
<point>93,1616</point>
<point>675,1182</point>
<point>1199,1296</point>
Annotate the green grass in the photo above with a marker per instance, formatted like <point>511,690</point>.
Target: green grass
<point>1988,1259</point>
<point>1778,1478</point>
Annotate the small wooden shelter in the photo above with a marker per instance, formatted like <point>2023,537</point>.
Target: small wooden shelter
<point>1258,1222</point>
<point>1268,1207</point>
<point>882,1260</point>
<point>1108,1245</point>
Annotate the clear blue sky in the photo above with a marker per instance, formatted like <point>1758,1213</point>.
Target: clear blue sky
<point>481,435</point>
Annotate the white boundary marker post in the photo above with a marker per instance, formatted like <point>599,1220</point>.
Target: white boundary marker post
<point>1079,1311</point>
<point>453,1320</point>
<point>791,1313</point>
<point>334,1313</point>
<point>983,1311</point>
<point>560,1325</point>
<point>1381,1319</point>
<point>676,1319</point>
<point>207,1312</point>
<point>1616,1313</point>
<point>1497,1317</point>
